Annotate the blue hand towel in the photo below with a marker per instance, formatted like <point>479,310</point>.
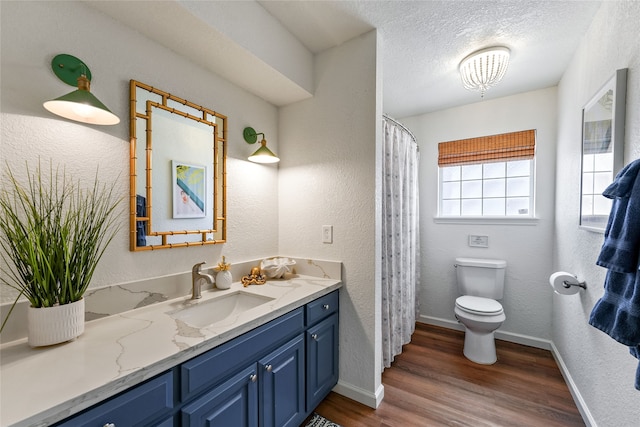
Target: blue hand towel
<point>617,313</point>
<point>621,245</point>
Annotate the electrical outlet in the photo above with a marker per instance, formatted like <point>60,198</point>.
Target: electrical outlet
<point>327,234</point>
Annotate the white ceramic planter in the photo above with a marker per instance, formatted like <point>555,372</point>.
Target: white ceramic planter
<point>223,279</point>
<point>54,325</point>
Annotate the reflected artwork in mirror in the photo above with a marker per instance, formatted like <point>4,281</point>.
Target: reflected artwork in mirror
<point>602,150</point>
<point>178,171</point>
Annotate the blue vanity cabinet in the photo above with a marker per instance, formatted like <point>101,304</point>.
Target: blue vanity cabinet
<point>271,376</point>
<point>254,379</point>
<point>292,378</point>
<point>321,348</point>
<point>232,403</point>
<point>282,391</point>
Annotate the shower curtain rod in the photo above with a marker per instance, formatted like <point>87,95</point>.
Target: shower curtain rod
<point>401,125</point>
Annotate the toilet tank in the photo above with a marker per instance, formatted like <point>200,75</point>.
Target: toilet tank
<point>481,277</point>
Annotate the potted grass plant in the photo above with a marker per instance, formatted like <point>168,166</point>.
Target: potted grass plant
<point>53,233</point>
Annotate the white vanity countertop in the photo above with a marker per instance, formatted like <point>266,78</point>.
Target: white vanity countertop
<point>44,385</point>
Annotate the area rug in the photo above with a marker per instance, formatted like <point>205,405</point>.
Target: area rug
<point>320,421</point>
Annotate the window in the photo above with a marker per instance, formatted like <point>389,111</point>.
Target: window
<point>489,176</point>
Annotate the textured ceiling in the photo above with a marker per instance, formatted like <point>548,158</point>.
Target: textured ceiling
<point>424,41</point>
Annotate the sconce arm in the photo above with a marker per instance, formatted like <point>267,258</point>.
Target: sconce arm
<point>250,135</point>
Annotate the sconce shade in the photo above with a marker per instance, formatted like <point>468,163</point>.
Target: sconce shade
<point>484,69</point>
<point>80,105</point>
<point>262,154</point>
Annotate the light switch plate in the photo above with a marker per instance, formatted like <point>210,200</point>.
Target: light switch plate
<point>327,234</point>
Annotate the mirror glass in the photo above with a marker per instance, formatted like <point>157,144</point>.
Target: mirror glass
<point>178,176</point>
<point>602,149</point>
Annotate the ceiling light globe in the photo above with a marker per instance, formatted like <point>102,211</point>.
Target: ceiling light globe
<point>484,69</point>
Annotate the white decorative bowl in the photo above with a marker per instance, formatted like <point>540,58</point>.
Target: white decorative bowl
<point>275,268</point>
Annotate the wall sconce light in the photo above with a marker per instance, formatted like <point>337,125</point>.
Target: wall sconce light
<point>262,154</point>
<point>80,105</point>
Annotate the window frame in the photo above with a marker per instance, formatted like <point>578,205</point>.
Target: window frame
<point>484,154</point>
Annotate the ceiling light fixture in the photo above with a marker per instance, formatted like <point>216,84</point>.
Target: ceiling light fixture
<point>262,154</point>
<point>80,105</point>
<point>484,68</point>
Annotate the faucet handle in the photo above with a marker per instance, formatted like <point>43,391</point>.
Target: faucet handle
<point>196,268</point>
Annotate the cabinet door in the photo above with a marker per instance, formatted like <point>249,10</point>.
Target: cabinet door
<point>322,360</point>
<point>232,403</point>
<point>282,386</point>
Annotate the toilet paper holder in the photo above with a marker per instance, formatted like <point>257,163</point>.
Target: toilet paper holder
<point>567,284</point>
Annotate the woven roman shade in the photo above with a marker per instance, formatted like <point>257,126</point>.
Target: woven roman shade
<point>486,149</point>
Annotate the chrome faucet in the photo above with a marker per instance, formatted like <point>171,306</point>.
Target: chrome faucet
<point>196,275</point>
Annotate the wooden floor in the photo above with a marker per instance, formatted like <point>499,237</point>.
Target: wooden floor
<point>432,384</point>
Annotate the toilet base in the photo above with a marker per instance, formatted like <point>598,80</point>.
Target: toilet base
<point>480,348</point>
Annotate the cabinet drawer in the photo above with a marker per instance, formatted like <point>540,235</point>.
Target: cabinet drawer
<point>322,307</point>
<point>139,406</point>
<point>205,370</point>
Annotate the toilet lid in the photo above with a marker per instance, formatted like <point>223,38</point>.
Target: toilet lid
<point>478,305</point>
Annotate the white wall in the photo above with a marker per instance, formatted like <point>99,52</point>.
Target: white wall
<point>328,177</point>
<point>32,33</point>
<point>602,370</point>
<point>526,248</point>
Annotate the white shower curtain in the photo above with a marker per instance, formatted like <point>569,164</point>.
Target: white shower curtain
<point>400,238</point>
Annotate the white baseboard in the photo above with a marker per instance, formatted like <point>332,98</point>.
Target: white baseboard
<point>577,397</point>
<point>358,394</point>
<point>501,335</point>
<point>437,321</point>
<point>532,342</point>
<point>524,340</point>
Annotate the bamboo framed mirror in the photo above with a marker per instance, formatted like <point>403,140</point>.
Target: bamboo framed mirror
<point>178,171</point>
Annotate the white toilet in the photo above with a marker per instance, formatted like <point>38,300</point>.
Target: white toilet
<point>481,283</point>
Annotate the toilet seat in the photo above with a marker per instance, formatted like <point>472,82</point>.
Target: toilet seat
<point>479,305</point>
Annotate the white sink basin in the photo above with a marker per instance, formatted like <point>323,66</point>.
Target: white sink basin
<point>206,313</point>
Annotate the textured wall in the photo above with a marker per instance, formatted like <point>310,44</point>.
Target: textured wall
<point>526,248</point>
<point>602,369</point>
<point>32,33</point>
<point>327,177</point>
